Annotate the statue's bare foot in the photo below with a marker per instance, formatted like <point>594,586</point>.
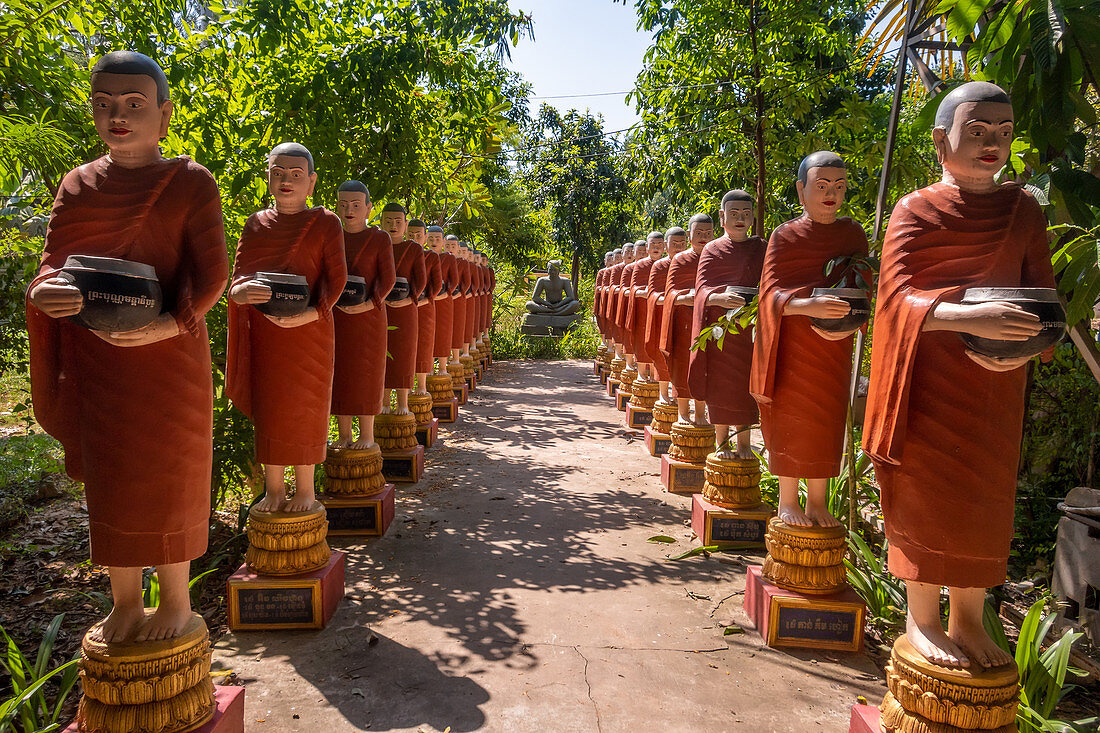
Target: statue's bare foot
<point>166,623</point>
<point>363,445</point>
<point>684,421</point>
<point>976,643</point>
<point>794,516</point>
<point>271,502</point>
<point>302,501</point>
<point>821,516</point>
<point>745,453</point>
<point>723,455</point>
<point>341,443</point>
<point>120,625</point>
<point>933,644</point>
<point>423,392</point>
<point>401,411</point>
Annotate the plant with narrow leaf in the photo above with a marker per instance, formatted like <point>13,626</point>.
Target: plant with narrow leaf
<point>29,707</point>
<point>882,592</point>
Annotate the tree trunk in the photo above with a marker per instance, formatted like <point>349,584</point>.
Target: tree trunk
<point>575,272</point>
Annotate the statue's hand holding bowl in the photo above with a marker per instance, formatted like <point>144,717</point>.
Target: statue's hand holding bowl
<point>363,307</point>
<point>250,292</point>
<point>309,315</point>
<point>729,301</point>
<point>820,306</point>
<point>57,297</point>
<point>161,329</point>
<point>999,320</point>
<point>687,298</point>
<point>833,335</point>
<point>641,292</point>
<point>995,364</point>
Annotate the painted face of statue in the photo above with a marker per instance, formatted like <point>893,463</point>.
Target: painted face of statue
<point>290,182</point>
<point>701,233</point>
<point>736,218</point>
<point>655,247</point>
<point>435,242</point>
<point>978,143</point>
<point>395,224</point>
<point>126,114</point>
<point>823,193</point>
<point>417,234</point>
<point>676,244</point>
<point>354,210</point>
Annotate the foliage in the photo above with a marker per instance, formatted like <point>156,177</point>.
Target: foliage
<point>721,109</point>
<point>19,256</point>
<point>882,592</point>
<point>1058,453</point>
<point>570,166</point>
<point>30,709</point>
<point>508,343</point>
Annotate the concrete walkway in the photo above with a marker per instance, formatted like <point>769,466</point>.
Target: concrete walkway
<point>516,591</point>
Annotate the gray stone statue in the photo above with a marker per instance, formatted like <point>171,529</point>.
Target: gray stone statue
<point>553,294</point>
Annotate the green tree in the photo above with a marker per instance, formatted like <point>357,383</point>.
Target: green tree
<point>572,168</point>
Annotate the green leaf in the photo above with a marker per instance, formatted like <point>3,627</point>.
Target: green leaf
<point>661,538</point>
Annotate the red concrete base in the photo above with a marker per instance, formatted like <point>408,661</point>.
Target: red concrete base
<point>622,399</point>
<point>787,618</point>
<point>368,516</point>
<point>596,366</point>
<point>679,477</point>
<point>865,719</point>
<point>228,713</point>
<point>715,525</point>
<point>656,443</point>
<point>404,467</point>
<point>426,435</point>
<point>612,387</point>
<point>306,601</point>
<point>446,412</point>
<point>638,417</point>
<point>603,377</point>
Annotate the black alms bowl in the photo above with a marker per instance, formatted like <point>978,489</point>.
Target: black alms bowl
<point>289,294</point>
<point>355,292</point>
<point>1043,302</point>
<point>119,295</point>
<point>749,294</point>
<point>400,290</point>
<point>860,313</point>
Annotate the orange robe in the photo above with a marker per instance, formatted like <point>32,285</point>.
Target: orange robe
<point>621,302</point>
<point>658,278</point>
<point>489,297</point>
<point>445,307</point>
<point>615,279</point>
<point>471,304</point>
<point>402,341</point>
<point>282,377</point>
<point>136,423</point>
<point>799,379</point>
<point>676,340</point>
<point>426,314</point>
<point>635,322</point>
<point>597,301</point>
<point>944,432</point>
<point>720,376</point>
<point>358,379</point>
<point>462,303</point>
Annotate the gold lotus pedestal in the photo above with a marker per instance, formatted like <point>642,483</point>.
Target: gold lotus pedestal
<point>356,496</point>
<point>458,381</point>
<point>469,372</point>
<point>605,366</point>
<point>799,598</point>
<point>927,698</point>
<point>444,401</point>
<point>598,362</point>
<point>682,467</point>
<point>614,378</point>
<point>287,543</point>
<point>729,512</point>
<point>639,412</point>
<point>658,439</point>
<point>626,387</point>
<point>402,454</point>
<point>427,426</point>
<point>147,686</point>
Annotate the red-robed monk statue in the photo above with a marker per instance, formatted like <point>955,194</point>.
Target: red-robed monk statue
<point>636,305</point>
<point>717,376</point>
<point>280,368</point>
<point>358,382</point>
<point>675,242</point>
<point>676,317</point>
<point>944,423</point>
<point>444,300</point>
<point>800,373</point>
<point>426,318</point>
<point>133,409</point>
<point>401,312</point>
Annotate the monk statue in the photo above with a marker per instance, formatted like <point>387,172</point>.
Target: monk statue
<point>402,311</point>
<point>132,409</point>
<point>800,373</point>
<point>487,298</point>
<point>458,298</point>
<point>944,423</point>
<point>675,243</point>
<point>360,368</point>
<point>444,299</point>
<point>636,305</point>
<point>280,368</point>
<point>719,375</point>
<point>553,295</point>
<point>597,299</point>
<point>426,307</point>
<point>676,318</point>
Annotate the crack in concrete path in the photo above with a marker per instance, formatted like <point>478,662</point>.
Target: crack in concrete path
<point>595,707</point>
<point>616,648</point>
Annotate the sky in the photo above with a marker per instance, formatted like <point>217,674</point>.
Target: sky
<point>582,47</point>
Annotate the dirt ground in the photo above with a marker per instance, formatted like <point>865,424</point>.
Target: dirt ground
<point>516,591</point>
